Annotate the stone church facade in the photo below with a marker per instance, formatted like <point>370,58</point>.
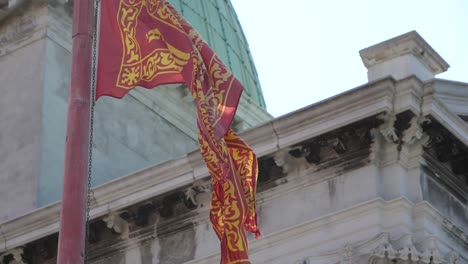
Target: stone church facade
<point>378,174</point>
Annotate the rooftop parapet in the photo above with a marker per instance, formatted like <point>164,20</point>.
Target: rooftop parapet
<point>401,57</point>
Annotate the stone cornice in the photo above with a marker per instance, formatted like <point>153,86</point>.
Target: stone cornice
<point>408,95</point>
<point>453,94</point>
<point>266,139</point>
<point>173,174</point>
<point>433,106</point>
<point>338,111</point>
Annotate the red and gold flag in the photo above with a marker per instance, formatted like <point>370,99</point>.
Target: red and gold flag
<point>147,43</point>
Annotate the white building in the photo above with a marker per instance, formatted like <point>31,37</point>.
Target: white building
<point>378,174</point>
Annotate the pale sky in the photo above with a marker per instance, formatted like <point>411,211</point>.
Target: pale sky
<point>308,50</point>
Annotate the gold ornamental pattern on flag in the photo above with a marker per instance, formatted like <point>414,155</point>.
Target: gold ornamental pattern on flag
<point>134,66</point>
<point>148,43</point>
<point>231,162</point>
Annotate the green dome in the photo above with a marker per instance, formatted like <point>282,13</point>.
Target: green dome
<point>217,22</point>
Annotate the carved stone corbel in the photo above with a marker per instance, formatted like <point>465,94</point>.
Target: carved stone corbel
<point>406,248</point>
<point>431,253</point>
<point>338,144</point>
<point>347,254</point>
<point>202,187</point>
<point>385,249</point>
<point>117,224</point>
<point>284,160</point>
<point>387,129</point>
<point>415,131</point>
<point>376,145</point>
<point>190,195</point>
<point>382,250</point>
<point>310,151</point>
<point>190,198</point>
<point>403,250</point>
<point>16,256</point>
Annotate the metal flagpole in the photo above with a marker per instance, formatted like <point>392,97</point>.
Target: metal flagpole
<point>71,247</point>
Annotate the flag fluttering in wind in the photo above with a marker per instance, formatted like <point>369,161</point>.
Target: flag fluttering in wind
<point>148,43</point>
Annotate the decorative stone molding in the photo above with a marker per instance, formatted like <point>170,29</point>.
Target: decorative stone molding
<point>384,249</point>
<point>203,186</point>
<point>284,160</point>
<point>406,249</point>
<point>15,256</point>
<point>117,224</point>
<point>347,143</point>
<point>310,151</point>
<point>400,138</point>
<point>387,129</point>
<point>376,145</point>
<point>190,196</point>
<point>445,157</point>
<point>347,254</point>
<point>415,131</point>
<point>191,193</point>
<point>270,174</point>
<point>431,253</point>
<point>352,253</point>
<point>452,94</point>
<point>381,250</point>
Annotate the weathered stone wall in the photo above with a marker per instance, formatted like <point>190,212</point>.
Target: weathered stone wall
<point>438,194</point>
<point>175,231</point>
<point>22,60</point>
<point>35,73</point>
